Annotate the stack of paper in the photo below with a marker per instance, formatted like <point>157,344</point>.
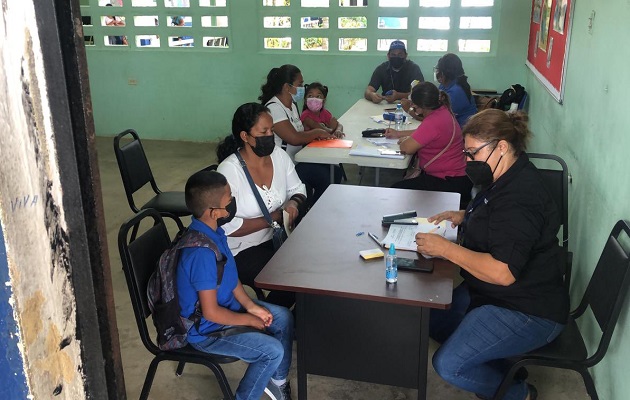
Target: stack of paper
<point>404,236</point>
<point>368,151</point>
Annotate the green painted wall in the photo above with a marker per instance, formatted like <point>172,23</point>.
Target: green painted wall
<point>590,131</point>
<point>191,94</point>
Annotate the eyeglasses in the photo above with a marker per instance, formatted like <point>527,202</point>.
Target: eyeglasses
<point>471,153</point>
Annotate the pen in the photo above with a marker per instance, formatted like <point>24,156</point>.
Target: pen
<point>434,229</point>
<point>375,238</point>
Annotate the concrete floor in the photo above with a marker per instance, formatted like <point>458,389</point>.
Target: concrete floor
<point>172,163</point>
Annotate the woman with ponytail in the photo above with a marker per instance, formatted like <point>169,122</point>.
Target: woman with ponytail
<point>281,93</point>
<point>437,143</point>
<point>449,72</point>
<point>513,299</point>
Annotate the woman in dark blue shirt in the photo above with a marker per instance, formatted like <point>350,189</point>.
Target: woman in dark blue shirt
<point>449,72</point>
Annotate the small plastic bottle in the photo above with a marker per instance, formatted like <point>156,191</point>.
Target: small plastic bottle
<point>398,117</point>
<point>391,265</point>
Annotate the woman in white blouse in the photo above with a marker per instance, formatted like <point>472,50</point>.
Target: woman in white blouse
<point>281,93</point>
<point>273,172</point>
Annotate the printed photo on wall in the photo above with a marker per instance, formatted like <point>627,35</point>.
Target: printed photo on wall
<point>559,16</point>
<point>536,13</point>
<point>549,51</point>
<point>545,18</point>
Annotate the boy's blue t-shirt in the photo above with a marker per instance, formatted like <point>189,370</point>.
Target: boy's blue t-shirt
<point>462,107</point>
<point>197,270</point>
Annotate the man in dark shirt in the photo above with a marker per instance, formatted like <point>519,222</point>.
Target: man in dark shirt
<point>394,76</point>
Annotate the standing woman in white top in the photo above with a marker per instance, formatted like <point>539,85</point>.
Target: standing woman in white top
<point>273,172</point>
<point>281,93</point>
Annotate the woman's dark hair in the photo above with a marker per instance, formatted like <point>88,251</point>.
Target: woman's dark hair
<point>427,95</point>
<point>245,117</point>
<point>450,66</point>
<point>493,124</point>
<point>314,85</point>
<point>276,78</point>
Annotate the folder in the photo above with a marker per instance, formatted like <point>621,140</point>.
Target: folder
<point>331,143</point>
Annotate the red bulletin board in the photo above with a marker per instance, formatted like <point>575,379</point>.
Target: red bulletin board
<point>549,37</point>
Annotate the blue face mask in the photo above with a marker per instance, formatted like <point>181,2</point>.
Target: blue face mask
<point>299,96</point>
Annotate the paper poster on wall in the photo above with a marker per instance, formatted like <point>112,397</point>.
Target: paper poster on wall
<point>544,25</point>
<point>536,13</point>
<point>559,16</point>
<point>552,37</point>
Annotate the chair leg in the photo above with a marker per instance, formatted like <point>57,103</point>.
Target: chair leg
<point>588,382</point>
<point>148,381</point>
<point>259,293</point>
<point>507,381</point>
<point>343,173</point>
<point>222,379</point>
<point>180,368</point>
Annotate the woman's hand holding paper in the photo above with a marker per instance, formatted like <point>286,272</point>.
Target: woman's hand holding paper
<point>455,217</point>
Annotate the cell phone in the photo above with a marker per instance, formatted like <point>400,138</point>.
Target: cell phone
<point>389,152</point>
<point>389,92</point>
<point>419,265</point>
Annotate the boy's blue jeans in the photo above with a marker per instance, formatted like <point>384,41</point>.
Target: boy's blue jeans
<point>269,356</point>
<point>476,344</point>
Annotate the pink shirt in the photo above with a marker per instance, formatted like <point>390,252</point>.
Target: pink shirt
<point>323,117</point>
<point>433,134</point>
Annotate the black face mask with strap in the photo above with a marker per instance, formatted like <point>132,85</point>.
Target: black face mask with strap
<point>231,209</point>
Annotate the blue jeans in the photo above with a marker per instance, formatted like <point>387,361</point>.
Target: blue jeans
<point>269,356</point>
<point>476,344</point>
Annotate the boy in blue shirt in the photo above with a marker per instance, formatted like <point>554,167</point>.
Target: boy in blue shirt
<point>268,352</point>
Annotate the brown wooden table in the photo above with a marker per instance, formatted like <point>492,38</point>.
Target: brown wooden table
<point>351,324</point>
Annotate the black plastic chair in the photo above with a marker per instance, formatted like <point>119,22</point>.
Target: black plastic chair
<point>604,295</point>
<point>139,258</point>
<point>136,173</point>
<point>557,182</point>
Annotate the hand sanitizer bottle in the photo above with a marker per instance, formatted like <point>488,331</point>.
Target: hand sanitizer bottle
<point>398,117</point>
<point>391,265</point>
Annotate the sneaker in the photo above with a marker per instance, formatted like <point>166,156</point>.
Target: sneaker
<point>282,392</point>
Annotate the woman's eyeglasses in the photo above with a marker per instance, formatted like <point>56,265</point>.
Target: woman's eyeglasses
<point>471,153</point>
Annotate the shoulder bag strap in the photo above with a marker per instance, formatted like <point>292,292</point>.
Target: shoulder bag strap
<point>284,144</point>
<point>261,204</point>
<point>444,149</point>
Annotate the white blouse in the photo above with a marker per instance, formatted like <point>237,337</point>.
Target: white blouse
<point>281,113</point>
<point>284,184</point>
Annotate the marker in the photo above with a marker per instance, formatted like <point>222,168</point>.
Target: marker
<point>375,238</point>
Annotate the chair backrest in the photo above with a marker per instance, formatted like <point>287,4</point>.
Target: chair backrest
<point>139,259</point>
<point>557,183</point>
<point>133,165</point>
<point>608,287</point>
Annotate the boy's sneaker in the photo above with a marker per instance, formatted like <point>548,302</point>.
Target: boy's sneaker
<point>282,392</point>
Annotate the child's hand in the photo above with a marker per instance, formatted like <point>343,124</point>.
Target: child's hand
<point>339,134</point>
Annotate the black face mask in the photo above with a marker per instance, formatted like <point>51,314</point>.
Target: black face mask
<point>396,62</point>
<point>264,145</point>
<point>479,172</point>
<point>231,209</point>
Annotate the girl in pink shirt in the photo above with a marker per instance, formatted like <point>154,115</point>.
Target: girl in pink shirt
<point>314,115</point>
